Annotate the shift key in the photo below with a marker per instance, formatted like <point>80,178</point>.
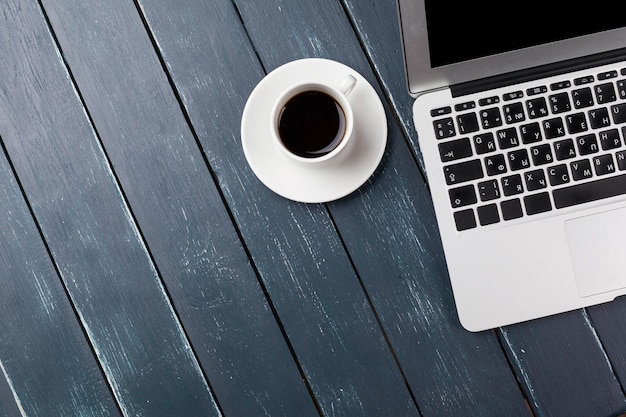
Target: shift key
<point>462,172</point>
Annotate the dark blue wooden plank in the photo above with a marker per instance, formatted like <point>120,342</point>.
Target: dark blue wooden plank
<point>377,25</point>
<point>89,230</point>
<point>174,199</point>
<point>295,247</point>
<point>40,335</point>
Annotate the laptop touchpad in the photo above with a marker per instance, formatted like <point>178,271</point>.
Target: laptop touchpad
<point>597,245</point>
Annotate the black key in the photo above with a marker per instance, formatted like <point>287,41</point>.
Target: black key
<point>511,209</point>
<point>488,214</point>
<point>464,106</point>
<point>590,191</point>
<point>576,123</point>
<point>530,133</point>
<point>541,154</point>
<point>489,101</point>
<point>609,139</point>
<point>513,95</point>
<point>619,113</point>
<point>444,128</point>
<point>553,128</point>
<point>512,185</point>
<point>463,171</point>
<point>605,93</point>
<point>537,90</point>
<point>587,144</point>
<point>495,164</point>
<point>441,111</point>
<point>603,164</point>
<point>455,149</point>
<point>588,79</point>
<point>537,203</point>
<point>507,138</point>
<point>518,159</point>
<point>621,89</point>
<point>488,190</point>
<point>564,149</point>
<point>465,219</point>
<point>607,75</point>
<point>484,143</point>
<point>581,169</point>
<point>513,113</point>
<point>462,196</point>
<point>468,123</point>
<point>558,175</point>
<point>621,160</point>
<point>535,180</point>
<point>599,118</point>
<point>491,118</point>
<point>559,103</point>
<point>537,107</point>
<point>582,98</point>
<point>560,85</point>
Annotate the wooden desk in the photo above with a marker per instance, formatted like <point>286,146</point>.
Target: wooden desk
<point>145,270</point>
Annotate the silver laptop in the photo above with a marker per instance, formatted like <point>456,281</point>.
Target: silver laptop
<point>521,118</point>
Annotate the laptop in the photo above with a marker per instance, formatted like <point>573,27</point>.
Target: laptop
<point>520,113</point>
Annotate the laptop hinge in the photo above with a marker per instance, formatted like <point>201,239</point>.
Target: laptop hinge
<point>503,80</point>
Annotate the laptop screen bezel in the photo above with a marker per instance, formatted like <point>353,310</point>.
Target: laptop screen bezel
<point>422,77</point>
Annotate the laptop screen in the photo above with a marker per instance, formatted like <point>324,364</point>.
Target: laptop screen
<point>448,43</point>
<point>461,31</point>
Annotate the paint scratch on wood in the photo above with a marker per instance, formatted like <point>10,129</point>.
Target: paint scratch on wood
<point>10,383</point>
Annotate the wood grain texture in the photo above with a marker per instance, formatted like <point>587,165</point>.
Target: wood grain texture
<point>295,247</point>
<point>88,229</point>
<point>40,335</point>
<point>378,28</point>
<point>177,206</point>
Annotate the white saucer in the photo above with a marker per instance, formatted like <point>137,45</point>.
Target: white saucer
<point>311,183</point>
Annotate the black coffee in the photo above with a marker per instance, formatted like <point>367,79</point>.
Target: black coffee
<point>311,124</point>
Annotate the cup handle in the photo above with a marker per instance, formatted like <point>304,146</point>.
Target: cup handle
<point>347,85</point>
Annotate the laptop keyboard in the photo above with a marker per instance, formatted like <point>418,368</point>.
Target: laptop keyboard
<point>528,152</point>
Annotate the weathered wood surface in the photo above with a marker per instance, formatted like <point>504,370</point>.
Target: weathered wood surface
<point>147,272</point>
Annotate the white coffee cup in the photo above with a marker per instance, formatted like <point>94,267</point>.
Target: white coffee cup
<point>313,122</point>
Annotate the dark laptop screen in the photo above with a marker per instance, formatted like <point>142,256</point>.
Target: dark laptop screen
<point>460,31</point>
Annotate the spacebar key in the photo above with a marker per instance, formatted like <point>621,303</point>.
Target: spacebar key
<point>589,191</point>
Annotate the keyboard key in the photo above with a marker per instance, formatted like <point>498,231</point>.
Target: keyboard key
<point>484,143</point>
<point>621,160</point>
<point>553,128</point>
<point>535,180</point>
<point>582,98</point>
<point>609,139</point>
<point>489,101</point>
<point>560,85</point>
<point>462,196</point>
<point>489,190</point>
<point>463,171</point>
<point>607,75</point>
<point>530,133</point>
<point>511,209</point>
<point>507,138</point>
<point>603,164</point>
<point>468,123</point>
<point>541,154</point>
<point>441,111</point>
<point>455,149</point>
<point>537,203</point>
<point>465,106</point>
<point>512,185</point>
<point>558,175</point>
<point>605,93</point>
<point>465,219</point>
<point>513,113</point>
<point>619,113</point>
<point>537,107</point>
<point>559,103</point>
<point>488,214</point>
<point>587,144</point>
<point>518,159</point>
<point>537,90</point>
<point>576,123</point>
<point>495,164</point>
<point>590,191</point>
<point>599,118</point>
<point>621,89</point>
<point>491,118</point>
<point>444,128</point>
<point>584,80</point>
<point>581,169</point>
<point>564,149</point>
